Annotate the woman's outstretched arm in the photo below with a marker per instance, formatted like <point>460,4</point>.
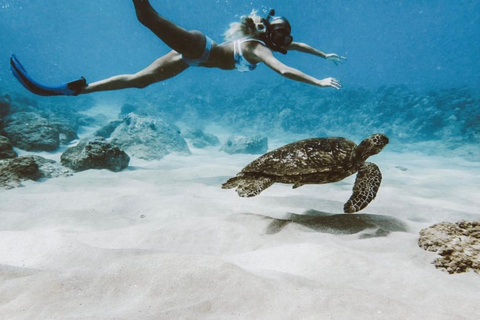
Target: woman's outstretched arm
<point>303,47</point>
<point>265,55</point>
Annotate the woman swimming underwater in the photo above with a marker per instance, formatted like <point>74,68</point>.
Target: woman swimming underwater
<point>248,43</point>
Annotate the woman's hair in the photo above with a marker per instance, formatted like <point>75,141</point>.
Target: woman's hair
<point>249,26</point>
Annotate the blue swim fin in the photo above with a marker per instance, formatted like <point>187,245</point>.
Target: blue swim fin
<point>69,89</point>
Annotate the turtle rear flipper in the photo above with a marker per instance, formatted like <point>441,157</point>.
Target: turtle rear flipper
<point>248,186</point>
<point>365,189</point>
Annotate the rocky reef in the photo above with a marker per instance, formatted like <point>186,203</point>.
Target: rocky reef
<point>146,126</point>
<point>95,154</point>
<point>450,118</point>
<point>14,171</point>
<point>200,139</point>
<point>400,113</point>
<point>6,149</point>
<point>145,137</point>
<point>31,132</point>
<point>245,144</point>
<point>43,125</point>
<point>458,245</point>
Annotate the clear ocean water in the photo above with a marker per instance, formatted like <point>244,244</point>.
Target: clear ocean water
<point>413,68</point>
<point>162,240</point>
<point>422,46</point>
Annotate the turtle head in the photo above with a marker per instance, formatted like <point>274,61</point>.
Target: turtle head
<point>371,145</point>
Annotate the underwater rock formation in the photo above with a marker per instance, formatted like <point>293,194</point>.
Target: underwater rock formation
<point>29,131</point>
<point>458,245</point>
<point>145,137</point>
<point>402,114</point>
<point>14,171</point>
<point>244,144</point>
<point>67,132</point>
<point>50,168</point>
<point>44,124</point>
<point>6,149</point>
<point>450,118</point>
<point>200,139</point>
<point>106,131</point>
<point>95,154</point>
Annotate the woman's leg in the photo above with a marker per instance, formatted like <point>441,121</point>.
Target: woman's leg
<point>161,69</point>
<point>191,44</point>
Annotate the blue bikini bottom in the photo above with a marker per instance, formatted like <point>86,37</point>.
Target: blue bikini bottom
<point>204,57</point>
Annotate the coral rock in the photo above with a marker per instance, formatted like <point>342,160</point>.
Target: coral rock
<point>458,245</point>
<point>200,139</point>
<point>14,171</point>
<point>6,149</point>
<point>30,131</point>
<point>95,154</point>
<point>243,144</point>
<point>145,137</point>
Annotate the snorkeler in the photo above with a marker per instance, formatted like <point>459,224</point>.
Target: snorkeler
<point>248,43</point>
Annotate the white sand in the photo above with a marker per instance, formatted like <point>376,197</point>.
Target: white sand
<point>163,241</point>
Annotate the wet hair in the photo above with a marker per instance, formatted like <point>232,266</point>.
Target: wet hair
<point>251,25</point>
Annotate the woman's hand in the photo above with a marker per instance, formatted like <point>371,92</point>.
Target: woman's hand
<point>330,82</point>
<point>335,58</point>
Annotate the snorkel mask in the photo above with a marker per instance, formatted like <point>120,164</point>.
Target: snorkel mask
<point>278,36</point>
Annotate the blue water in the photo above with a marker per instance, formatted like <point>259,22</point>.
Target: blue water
<point>164,241</point>
<point>422,45</point>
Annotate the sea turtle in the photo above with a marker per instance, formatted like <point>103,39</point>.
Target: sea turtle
<point>316,161</point>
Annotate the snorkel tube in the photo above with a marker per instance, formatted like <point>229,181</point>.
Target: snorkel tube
<point>278,36</point>
<point>271,13</point>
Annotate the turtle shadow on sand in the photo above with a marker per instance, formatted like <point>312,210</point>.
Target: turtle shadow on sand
<point>374,225</point>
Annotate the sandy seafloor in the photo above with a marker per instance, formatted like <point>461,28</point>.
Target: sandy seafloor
<point>162,240</point>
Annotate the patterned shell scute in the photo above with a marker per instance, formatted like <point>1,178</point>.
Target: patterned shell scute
<point>316,155</point>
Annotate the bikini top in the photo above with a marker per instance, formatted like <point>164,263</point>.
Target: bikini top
<point>241,63</point>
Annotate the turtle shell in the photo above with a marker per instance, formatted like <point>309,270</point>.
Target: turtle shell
<point>316,155</point>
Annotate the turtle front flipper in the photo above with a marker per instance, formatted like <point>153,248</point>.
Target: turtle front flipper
<point>248,185</point>
<point>232,182</point>
<point>365,189</point>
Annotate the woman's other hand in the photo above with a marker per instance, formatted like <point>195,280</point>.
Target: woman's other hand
<point>330,82</point>
<point>337,59</point>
